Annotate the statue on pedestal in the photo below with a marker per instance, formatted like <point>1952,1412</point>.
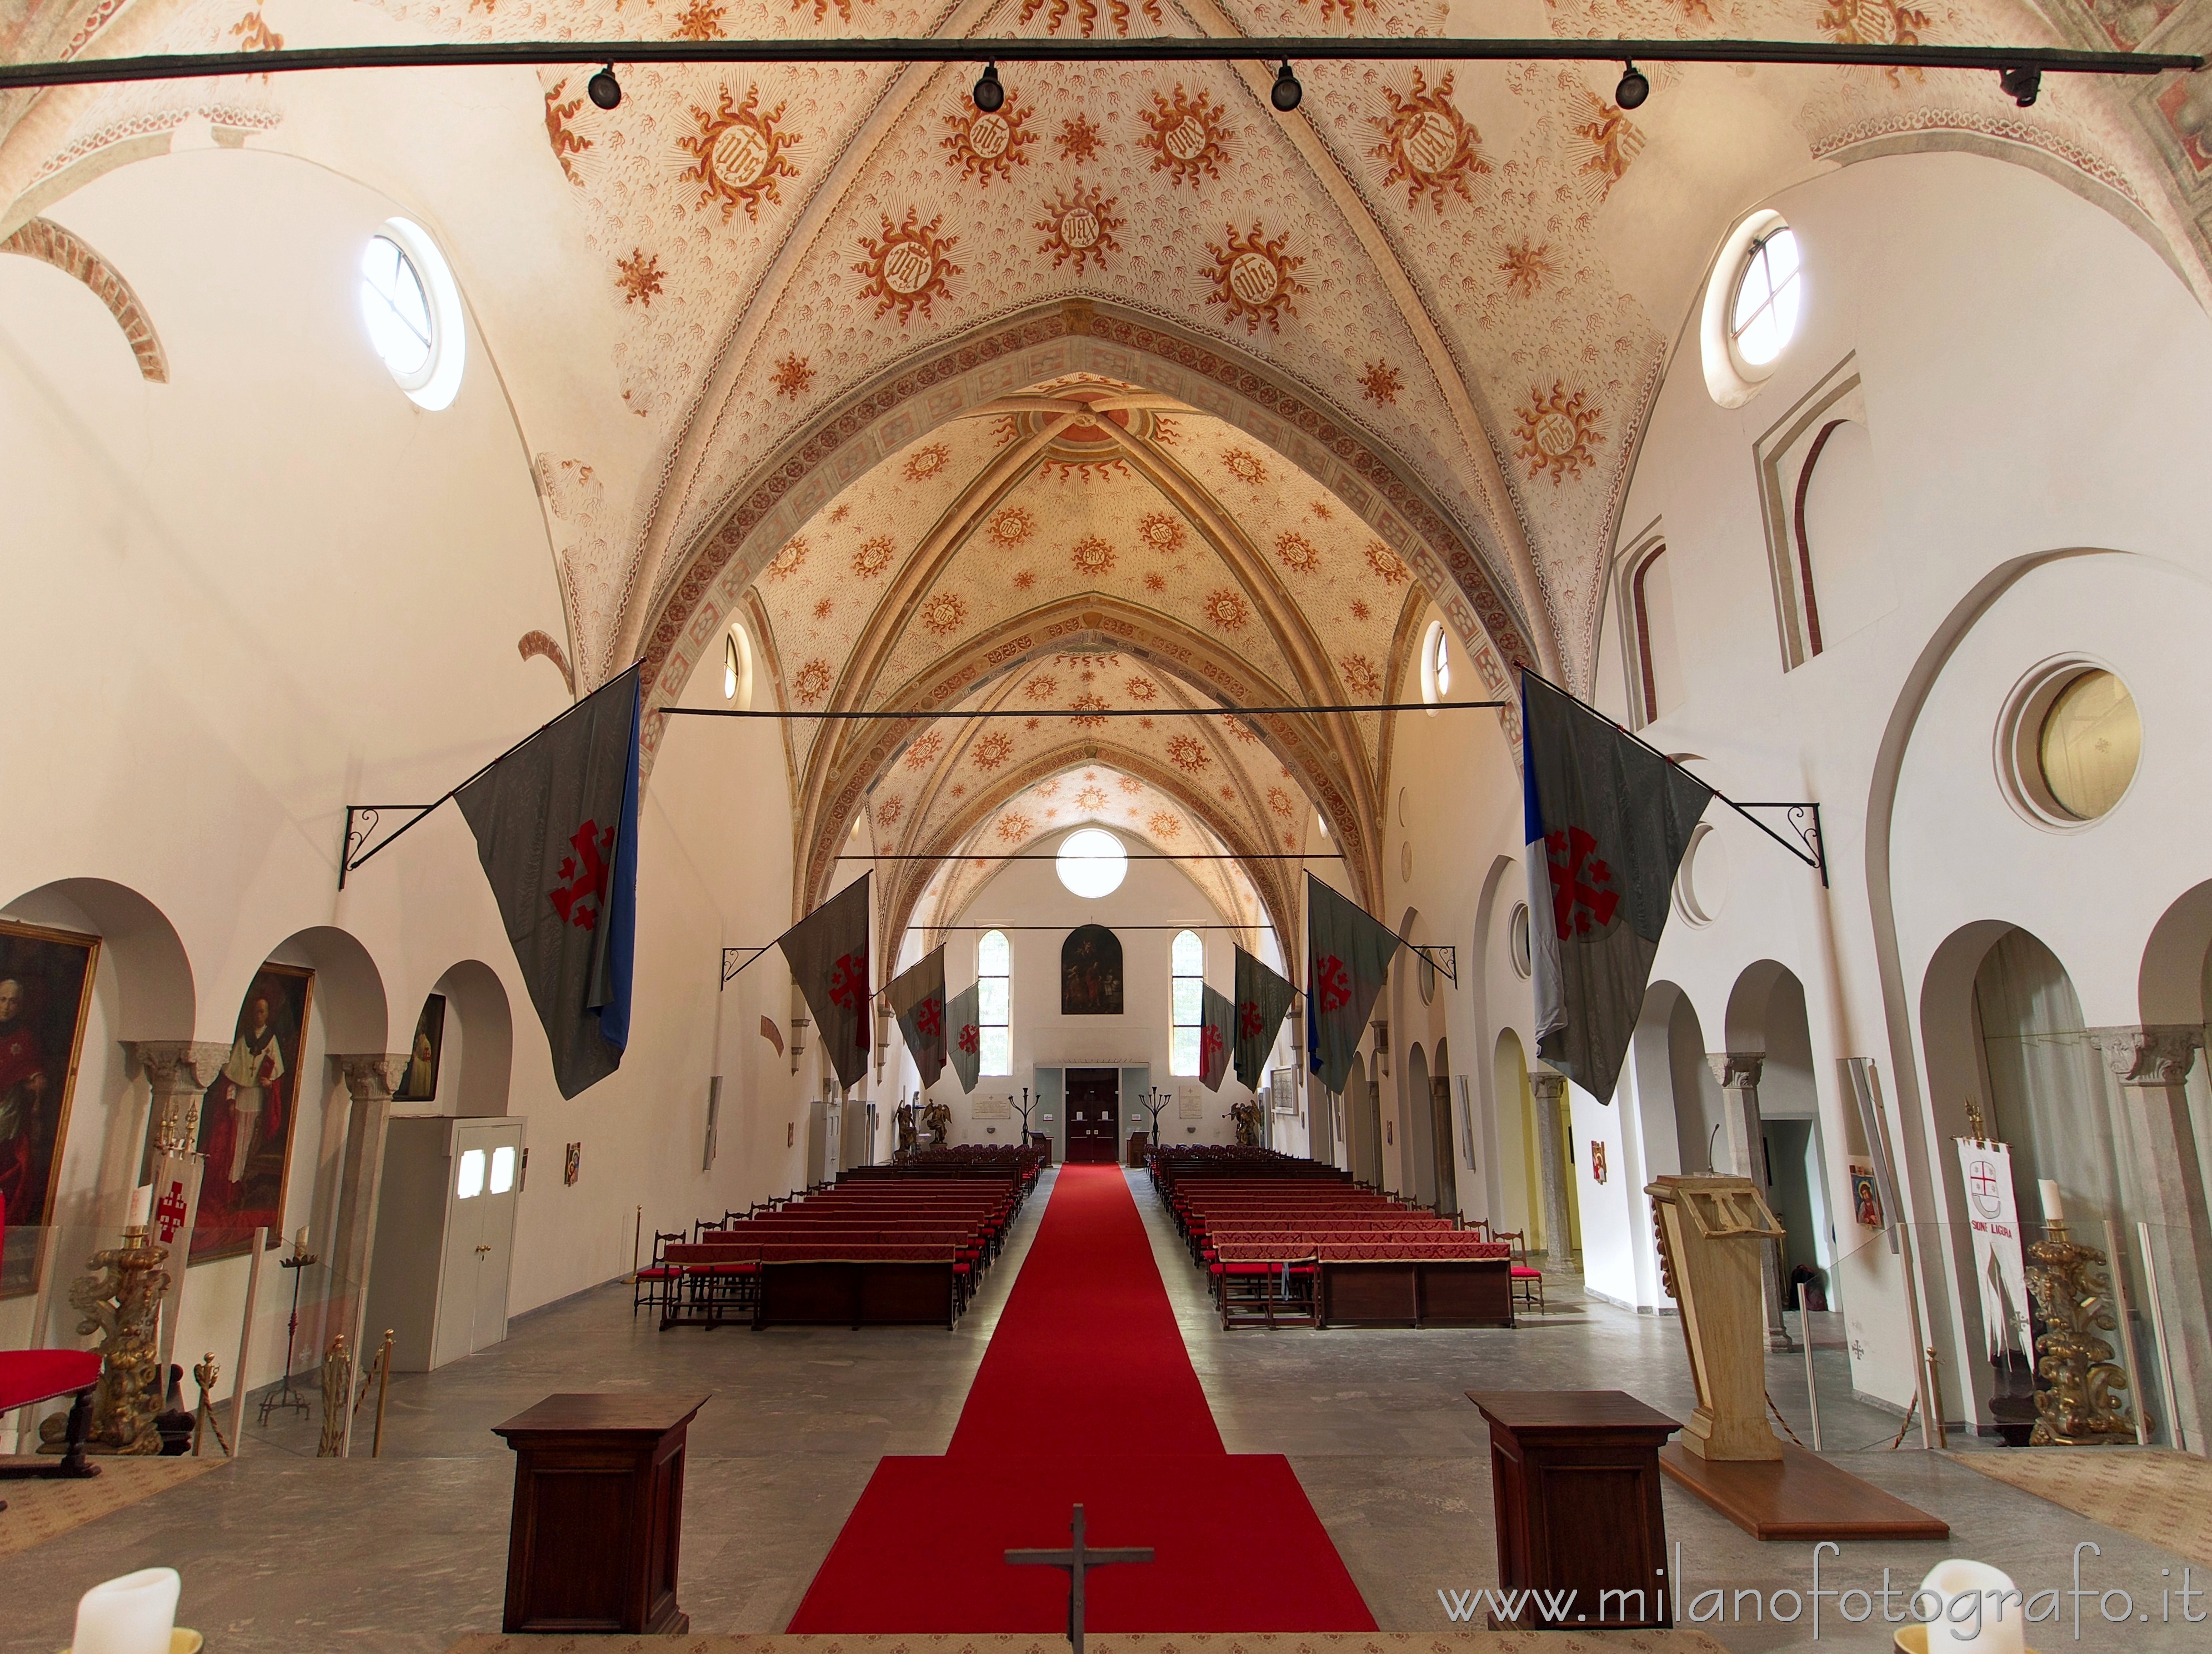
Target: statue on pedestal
<point>937,1121</point>
<point>1249,1122</point>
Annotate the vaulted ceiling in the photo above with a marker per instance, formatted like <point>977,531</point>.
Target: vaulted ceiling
<point>955,402</point>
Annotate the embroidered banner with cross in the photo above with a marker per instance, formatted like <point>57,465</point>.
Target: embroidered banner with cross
<point>828,951</point>
<point>1217,1027</point>
<point>917,999</point>
<point>964,1025</point>
<point>1263,997</point>
<point>556,824</point>
<point>1608,819</point>
<point>1348,958</point>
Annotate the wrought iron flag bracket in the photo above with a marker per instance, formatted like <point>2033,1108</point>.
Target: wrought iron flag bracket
<point>362,821</point>
<point>729,970</point>
<point>1803,822</point>
<point>1429,952</point>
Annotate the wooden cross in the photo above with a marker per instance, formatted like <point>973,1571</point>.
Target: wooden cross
<point>1078,1559</point>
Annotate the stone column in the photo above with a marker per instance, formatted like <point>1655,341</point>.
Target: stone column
<point>369,1079</point>
<point>1550,1091</point>
<point>2152,1063</point>
<point>1738,1072</point>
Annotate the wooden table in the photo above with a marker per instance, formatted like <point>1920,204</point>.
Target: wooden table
<point>1575,1475</point>
<point>598,1513</point>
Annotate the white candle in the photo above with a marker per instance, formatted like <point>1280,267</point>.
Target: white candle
<point>142,1205</point>
<point>2052,1211</point>
<point>134,1614</point>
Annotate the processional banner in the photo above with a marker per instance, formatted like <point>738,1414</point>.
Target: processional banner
<point>1263,997</point>
<point>2000,1270</point>
<point>917,999</point>
<point>828,951</point>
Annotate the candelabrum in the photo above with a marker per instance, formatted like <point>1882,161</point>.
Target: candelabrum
<point>2075,1403</point>
<point>285,1396</point>
<point>121,1301</point>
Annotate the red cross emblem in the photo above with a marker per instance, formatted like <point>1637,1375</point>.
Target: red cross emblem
<point>1581,903</point>
<point>968,1042</point>
<point>929,1017</point>
<point>1982,1185</point>
<point>1209,1044</point>
<point>583,876</point>
<point>1332,983</point>
<point>1248,1020</point>
<point>169,1213</point>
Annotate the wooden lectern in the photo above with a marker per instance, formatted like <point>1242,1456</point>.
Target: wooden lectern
<point>1713,1236</point>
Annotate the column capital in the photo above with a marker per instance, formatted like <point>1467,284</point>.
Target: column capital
<point>1736,1069</point>
<point>177,1065</point>
<point>2157,1054</point>
<point>371,1076</point>
<point>1546,1084</point>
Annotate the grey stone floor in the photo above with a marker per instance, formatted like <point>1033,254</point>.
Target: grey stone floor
<point>283,1552</point>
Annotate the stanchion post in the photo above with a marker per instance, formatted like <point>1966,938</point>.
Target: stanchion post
<point>2158,1331</point>
<point>1812,1389</point>
<point>245,1344</point>
<point>2114,1264</point>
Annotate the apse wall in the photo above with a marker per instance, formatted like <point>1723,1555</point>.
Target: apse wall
<point>246,598</point>
<point>2032,387</point>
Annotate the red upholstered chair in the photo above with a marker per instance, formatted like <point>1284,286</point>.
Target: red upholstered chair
<point>1527,1280</point>
<point>656,1282</point>
<point>30,1376</point>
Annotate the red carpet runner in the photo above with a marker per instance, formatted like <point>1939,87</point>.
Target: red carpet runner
<point>1087,1394</point>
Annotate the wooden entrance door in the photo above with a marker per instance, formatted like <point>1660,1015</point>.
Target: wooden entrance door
<point>1094,1115</point>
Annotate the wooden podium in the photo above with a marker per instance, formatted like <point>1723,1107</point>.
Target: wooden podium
<point>1712,1234</point>
<point>598,1513</point>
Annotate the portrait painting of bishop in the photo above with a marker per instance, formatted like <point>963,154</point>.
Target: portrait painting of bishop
<point>45,991</point>
<point>247,1115</point>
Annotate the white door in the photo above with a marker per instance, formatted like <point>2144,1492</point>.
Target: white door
<point>484,1170</point>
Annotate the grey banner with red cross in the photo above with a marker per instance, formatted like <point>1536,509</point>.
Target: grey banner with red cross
<point>828,951</point>
<point>1607,819</point>
<point>917,997</point>
<point>1347,961</point>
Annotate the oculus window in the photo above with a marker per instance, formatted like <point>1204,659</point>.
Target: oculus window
<point>1762,318</point>
<point>1435,664</point>
<point>1091,863</point>
<point>737,667</point>
<point>412,309</point>
<point>1186,965</point>
<point>995,960</point>
<point>2089,744</point>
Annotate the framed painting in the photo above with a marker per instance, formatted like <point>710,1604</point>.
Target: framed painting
<point>421,1083</point>
<point>247,1115</point>
<point>45,993</point>
<point>1090,973</point>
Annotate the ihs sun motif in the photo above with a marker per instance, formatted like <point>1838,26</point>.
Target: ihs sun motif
<point>1011,526</point>
<point>1187,753</point>
<point>1164,824</point>
<point>1236,726</point>
<point>887,811</point>
<point>1874,22</point>
<point>1226,608</point>
<point>925,462</point>
<point>738,154</point>
<point>1279,802</point>
<point>1092,556</point>
<point>786,563</point>
<point>1087,14</point>
<point>1359,674</point>
<point>992,749</point>
<point>1299,555</point>
<point>1162,531</point>
<point>1188,136</point>
<point>944,612</point>
<point>1251,280</point>
<point>810,682</point>
<point>1430,145</point>
<point>909,267</point>
<point>1389,568</point>
<point>1079,224</point>
<point>1042,687</point>
<point>1246,467</point>
<point>924,751</point>
<point>1557,432</point>
<point>1091,798</point>
<point>1606,144</point>
<point>1142,690</point>
<point>1013,827</point>
<point>1127,783</point>
<point>985,146</point>
<point>873,556</point>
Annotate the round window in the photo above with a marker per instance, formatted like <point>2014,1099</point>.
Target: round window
<point>1435,664</point>
<point>2068,742</point>
<point>2089,744</point>
<point>1516,939</point>
<point>412,310</point>
<point>1091,863</point>
<point>1763,317</point>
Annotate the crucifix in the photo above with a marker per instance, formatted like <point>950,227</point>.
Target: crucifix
<point>1078,1559</point>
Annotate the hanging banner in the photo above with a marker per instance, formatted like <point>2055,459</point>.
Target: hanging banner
<point>828,951</point>
<point>964,1017</point>
<point>917,999</point>
<point>2000,1270</point>
<point>1216,1030</point>
<point>176,1182</point>
<point>1263,997</point>
<point>1347,957</point>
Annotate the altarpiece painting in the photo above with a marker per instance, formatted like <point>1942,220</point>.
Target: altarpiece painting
<point>1090,973</point>
<point>45,992</point>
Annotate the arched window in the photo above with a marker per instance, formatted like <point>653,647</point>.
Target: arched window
<point>1187,961</point>
<point>737,667</point>
<point>1435,664</point>
<point>1656,663</point>
<point>994,961</point>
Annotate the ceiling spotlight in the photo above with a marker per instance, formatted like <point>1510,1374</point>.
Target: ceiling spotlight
<point>988,94</point>
<point>2021,85</point>
<point>605,89</point>
<point>1286,94</point>
<point>1634,88</point>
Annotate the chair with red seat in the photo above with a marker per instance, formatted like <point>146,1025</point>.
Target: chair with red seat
<point>1528,1280</point>
<point>656,1283</point>
<point>30,1376</point>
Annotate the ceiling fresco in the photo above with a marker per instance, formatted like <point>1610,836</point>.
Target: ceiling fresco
<point>1136,373</point>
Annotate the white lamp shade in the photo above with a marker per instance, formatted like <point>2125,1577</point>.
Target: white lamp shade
<point>134,1614</point>
<point>1994,1625</point>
